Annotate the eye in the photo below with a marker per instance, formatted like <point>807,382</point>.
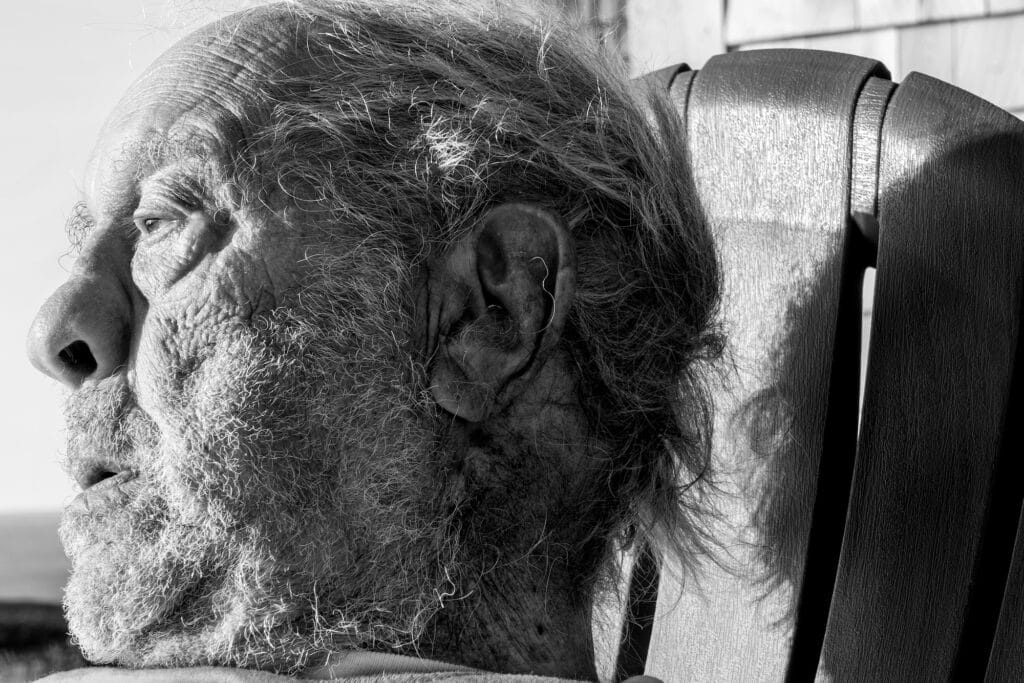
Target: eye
<point>149,224</point>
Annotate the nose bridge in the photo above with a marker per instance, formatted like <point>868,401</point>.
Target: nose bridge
<point>105,252</point>
<point>83,331</point>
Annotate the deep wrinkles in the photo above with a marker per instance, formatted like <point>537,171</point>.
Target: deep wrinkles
<point>281,513</point>
<point>285,512</point>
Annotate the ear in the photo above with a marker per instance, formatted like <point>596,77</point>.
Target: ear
<point>497,304</point>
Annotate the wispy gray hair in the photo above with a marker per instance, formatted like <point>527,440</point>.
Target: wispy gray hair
<point>420,116</point>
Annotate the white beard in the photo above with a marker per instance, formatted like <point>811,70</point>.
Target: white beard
<point>288,500</point>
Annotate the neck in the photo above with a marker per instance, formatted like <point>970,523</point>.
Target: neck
<point>521,617</point>
<point>532,533</point>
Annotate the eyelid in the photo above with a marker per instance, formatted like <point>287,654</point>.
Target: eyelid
<point>168,210</point>
<point>162,206</point>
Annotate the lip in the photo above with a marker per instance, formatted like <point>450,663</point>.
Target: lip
<point>113,490</point>
<point>93,471</point>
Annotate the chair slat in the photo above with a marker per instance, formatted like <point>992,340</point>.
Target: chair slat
<point>769,135</point>
<point>922,568</point>
<point>1006,661</point>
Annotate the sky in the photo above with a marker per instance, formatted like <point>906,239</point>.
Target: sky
<point>63,67</point>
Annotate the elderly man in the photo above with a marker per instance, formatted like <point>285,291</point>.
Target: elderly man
<point>386,330</point>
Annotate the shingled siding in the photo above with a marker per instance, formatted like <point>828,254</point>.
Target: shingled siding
<point>982,55</point>
<point>977,45</point>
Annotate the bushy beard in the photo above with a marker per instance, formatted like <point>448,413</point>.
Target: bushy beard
<point>287,500</point>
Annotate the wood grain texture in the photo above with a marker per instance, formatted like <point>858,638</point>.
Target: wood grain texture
<point>867,139</point>
<point>881,45</point>
<point>748,21</point>
<point>662,32</point>
<point>769,133</point>
<point>607,616</point>
<point>1006,662</point>
<point>927,49</point>
<point>989,59</point>
<point>920,577</point>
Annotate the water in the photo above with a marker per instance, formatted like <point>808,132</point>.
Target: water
<point>32,564</point>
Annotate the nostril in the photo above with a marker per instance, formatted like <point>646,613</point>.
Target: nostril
<point>83,330</point>
<point>77,357</point>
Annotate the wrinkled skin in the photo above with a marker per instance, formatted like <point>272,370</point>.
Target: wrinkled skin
<point>206,405</point>
<point>254,392</point>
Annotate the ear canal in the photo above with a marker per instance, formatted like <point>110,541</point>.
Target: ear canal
<point>519,270</point>
<point>517,265</point>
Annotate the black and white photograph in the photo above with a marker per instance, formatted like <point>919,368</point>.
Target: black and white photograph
<point>498,341</point>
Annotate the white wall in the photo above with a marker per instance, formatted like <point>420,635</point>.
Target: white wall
<point>63,65</point>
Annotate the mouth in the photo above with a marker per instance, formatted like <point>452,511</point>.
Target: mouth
<point>95,475</point>
<point>96,470</point>
<point>102,485</point>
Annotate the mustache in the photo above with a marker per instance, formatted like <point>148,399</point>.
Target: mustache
<point>105,428</point>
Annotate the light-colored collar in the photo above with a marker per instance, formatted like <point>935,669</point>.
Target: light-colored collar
<point>353,663</point>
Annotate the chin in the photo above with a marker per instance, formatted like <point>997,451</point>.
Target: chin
<point>253,522</point>
<point>134,575</point>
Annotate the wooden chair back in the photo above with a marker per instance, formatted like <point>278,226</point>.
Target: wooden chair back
<point>874,540</point>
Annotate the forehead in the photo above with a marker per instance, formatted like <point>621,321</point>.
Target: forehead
<point>193,103</point>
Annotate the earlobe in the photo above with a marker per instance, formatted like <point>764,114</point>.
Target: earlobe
<point>497,304</point>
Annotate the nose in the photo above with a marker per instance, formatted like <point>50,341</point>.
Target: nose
<point>82,332</point>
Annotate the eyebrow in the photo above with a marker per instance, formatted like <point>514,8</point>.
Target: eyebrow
<point>181,184</point>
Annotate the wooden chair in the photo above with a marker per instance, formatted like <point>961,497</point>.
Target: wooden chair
<point>874,545</point>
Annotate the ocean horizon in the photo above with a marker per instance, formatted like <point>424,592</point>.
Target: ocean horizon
<point>32,564</point>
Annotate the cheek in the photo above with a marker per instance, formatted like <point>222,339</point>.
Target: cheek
<point>183,382</point>
<point>169,353</point>
<point>185,327</point>
<point>235,429</point>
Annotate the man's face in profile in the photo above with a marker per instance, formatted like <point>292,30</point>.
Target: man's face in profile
<point>253,425</point>
<point>336,383</point>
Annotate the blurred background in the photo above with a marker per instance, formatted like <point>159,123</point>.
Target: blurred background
<point>64,64</point>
